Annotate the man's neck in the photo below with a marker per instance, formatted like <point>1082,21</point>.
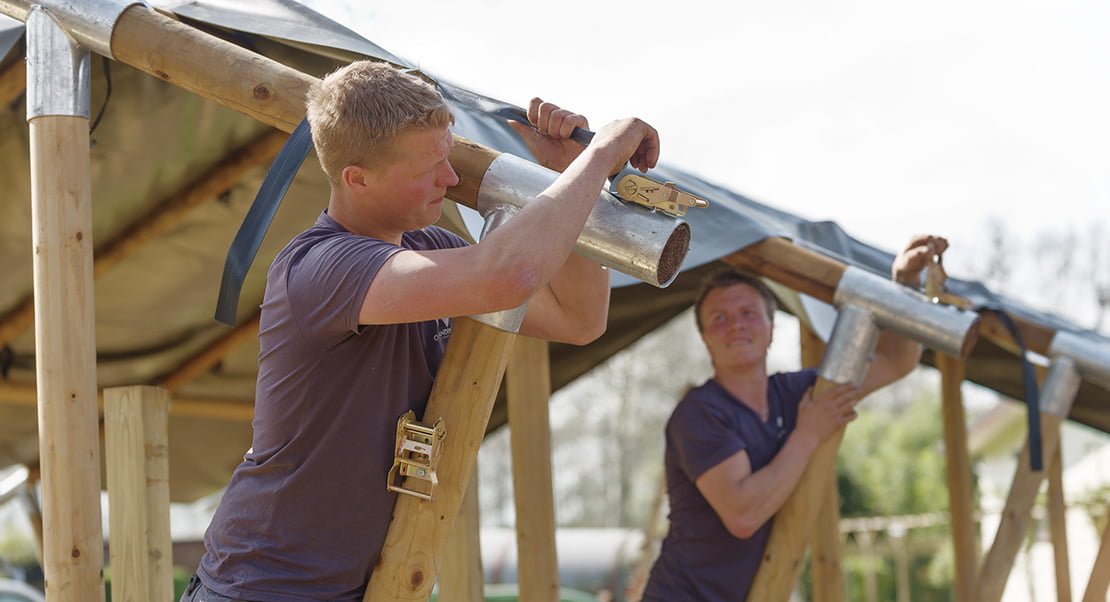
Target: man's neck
<point>748,384</point>
<point>347,214</point>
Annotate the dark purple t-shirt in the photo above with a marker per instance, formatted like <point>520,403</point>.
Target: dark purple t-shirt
<point>305,514</point>
<point>700,559</point>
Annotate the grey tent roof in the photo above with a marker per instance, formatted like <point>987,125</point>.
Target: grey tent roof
<point>154,309</point>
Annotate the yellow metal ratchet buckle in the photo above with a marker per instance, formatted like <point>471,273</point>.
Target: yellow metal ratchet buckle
<point>654,195</point>
<point>417,456</point>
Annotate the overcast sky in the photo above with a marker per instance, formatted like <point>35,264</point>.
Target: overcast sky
<point>890,118</point>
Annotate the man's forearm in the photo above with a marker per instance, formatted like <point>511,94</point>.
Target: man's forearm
<point>763,493</point>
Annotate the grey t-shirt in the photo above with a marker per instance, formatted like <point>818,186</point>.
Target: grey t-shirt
<point>305,514</point>
<point>700,560</point>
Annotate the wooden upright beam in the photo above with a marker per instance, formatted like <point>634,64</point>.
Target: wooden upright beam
<point>463,396</point>
<point>1014,525</point>
<point>828,572</point>
<point>1099,582</point>
<point>528,390</point>
<point>13,82</point>
<point>796,521</point>
<point>1058,525</point>
<point>460,576</point>
<point>958,468</point>
<point>137,459</point>
<point>65,358</point>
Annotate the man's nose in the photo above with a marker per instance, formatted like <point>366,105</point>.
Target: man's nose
<point>451,178</point>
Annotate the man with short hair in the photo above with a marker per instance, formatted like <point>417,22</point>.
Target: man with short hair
<point>737,446</point>
<point>355,321</point>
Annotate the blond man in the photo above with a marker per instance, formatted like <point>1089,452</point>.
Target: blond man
<point>356,318</point>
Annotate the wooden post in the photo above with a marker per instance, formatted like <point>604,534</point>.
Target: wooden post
<point>137,458</point>
<point>870,579</point>
<point>65,358</point>
<point>528,388</point>
<point>995,571</point>
<point>1058,525</point>
<point>902,565</point>
<point>828,573</point>
<point>795,522</point>
<point>958,467</point>
<point>463,396</point>
<point>460,577</point>
<point>1099,582</point>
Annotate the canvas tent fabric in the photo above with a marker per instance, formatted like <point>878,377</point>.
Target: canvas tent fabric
<point>154,308</point>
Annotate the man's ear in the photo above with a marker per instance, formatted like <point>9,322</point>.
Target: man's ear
<point>354,177</point>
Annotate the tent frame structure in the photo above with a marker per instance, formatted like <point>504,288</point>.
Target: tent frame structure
<point>273,94</point>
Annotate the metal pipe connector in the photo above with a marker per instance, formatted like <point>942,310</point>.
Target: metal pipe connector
<point>1060,386</point>
<point>89,22</point>
<point>508,320</point>
<point>1091,357</point>
<point>647,245</point>
<point>57,69</point>
<point>895,307</point>
<point>851,346</point>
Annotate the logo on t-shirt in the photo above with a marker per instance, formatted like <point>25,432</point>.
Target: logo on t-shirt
<point>444,329</point>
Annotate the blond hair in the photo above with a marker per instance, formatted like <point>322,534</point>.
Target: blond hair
<point>357,112</point>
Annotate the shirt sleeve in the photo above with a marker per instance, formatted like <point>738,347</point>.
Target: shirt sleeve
<point>701,437</point>
<point>328,284</point>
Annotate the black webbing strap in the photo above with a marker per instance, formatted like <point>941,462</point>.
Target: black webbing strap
<point>258,219</point>
<point>500,109</point>
<point>1032,395</point>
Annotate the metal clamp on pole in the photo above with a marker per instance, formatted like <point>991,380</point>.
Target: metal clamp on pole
<point>663,196</point>
<point>416,457</point>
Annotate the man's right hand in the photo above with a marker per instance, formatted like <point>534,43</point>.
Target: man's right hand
<point>819,416</point>
<point>628,140</point>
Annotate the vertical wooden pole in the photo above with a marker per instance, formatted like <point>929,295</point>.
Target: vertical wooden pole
<point>460,577</point>
<point>902,565</point>
<point>958,467</point>
<point>828,573</point>
<point>528,385</point>
<point>127,508</point>
<point>995,571</point>
<point>1099,582</point>
<point>136,449</point>
<point>463,396</point>
<point>1058,525</point>
<point>870,579</point>
<point>65,359</point>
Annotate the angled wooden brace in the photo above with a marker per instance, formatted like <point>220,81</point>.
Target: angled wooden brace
<point>1073,357</point>
<point>958,467</point>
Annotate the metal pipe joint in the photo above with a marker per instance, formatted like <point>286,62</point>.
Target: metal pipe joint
<point>89,22</point>
<point>644,244</point>
<point>907,312</point>
<point>508,320</point>
<point>1091,357</point>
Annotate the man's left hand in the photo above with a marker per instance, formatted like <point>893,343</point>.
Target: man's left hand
<point>917,256</point>
<point>549,138</point>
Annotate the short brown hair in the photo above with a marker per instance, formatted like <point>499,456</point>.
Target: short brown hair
<point>357,111</point>
<point>726,277</point>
